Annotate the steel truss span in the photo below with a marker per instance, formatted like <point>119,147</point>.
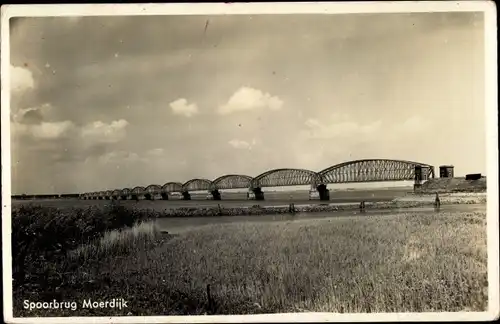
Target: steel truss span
<point>171,187</point>
<point>197,184</point>
<point>232,181</point>
<point>153,189</point>
<point>374,170</point>
<point>369,170</point>
<point>286,177</point>
<point>138,190</point>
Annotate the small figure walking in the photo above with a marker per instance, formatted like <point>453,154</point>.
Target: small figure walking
<point>362,206</point>
<point>437,202</point>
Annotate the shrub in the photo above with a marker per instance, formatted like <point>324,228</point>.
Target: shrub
<point>116,242</point>
<point>41,234</point>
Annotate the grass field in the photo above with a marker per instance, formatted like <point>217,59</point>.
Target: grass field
<point>406,262</point>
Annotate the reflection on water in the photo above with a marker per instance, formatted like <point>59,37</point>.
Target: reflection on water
<point>177,225</point>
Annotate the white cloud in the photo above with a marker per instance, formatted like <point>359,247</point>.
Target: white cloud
<point>96,132</point>
<point>156,152</point>
<point>20,79</point>
<point>413,124</point>
<point>52,130</point>
<point>44,130</point>
<point>105,133</point>
<point>181,107</point>
<point>343,127</point>
<point>338,129</point>
<point>120,157</point>
<point>240,144</point>
<point>247,98</point>
<point>19,114</point>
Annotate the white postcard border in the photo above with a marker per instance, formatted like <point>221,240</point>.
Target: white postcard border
<point>491,99</point>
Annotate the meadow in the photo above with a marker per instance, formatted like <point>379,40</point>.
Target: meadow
<point>404,262</point>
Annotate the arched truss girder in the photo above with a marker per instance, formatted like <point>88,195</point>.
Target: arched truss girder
<point>373,170</point>
<point>102,193</point>
<point>171,187</point>
<point>116,192</point>
<point>197,184</point>
<point>286,177</point>
<point>108,193</point>
<point>153,189</point>
<point>126,191</point>
<point>138,190</point>
<point>232,181</point>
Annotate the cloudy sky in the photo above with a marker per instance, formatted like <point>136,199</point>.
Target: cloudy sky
<point>111,102</point>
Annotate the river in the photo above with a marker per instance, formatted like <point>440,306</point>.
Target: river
<point>176,225</point>
<point>233,199</point>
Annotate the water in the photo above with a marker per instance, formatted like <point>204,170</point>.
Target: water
<point>181,224</point>
<point>176,225</point>
<point>234,199</point>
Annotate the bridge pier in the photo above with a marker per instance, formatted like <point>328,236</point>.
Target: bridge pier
<point>259,194</point>
<point>324,193</point>
<point>148,196</point>
<point>164,196</point>
<point>124,197</point>
<point>186,195</point>
<point>216,194</point>
<point>421,176</point>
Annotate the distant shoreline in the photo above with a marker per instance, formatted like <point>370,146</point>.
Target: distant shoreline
<point>410,201</point>
<point>76,196</point>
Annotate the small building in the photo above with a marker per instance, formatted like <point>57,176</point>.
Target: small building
<point>446,171</point>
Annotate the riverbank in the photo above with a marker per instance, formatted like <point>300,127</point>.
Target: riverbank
<point>409,262</point>
<point>409,201</point>
<point>454,185</point>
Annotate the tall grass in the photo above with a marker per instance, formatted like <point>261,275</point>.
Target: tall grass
<point>407,262</point>
<point>384,264</point>
<point>42,236</point>
<point>116,242</point>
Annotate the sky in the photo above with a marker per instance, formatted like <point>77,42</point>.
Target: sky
<point>102,103</point>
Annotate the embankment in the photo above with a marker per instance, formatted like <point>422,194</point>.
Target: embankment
<point>409,201</point>
<point>453,185</point>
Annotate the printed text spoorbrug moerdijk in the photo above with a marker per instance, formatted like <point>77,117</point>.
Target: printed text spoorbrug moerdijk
<point>118,303</point>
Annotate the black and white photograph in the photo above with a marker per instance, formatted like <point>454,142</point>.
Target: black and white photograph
<point>250,162</point>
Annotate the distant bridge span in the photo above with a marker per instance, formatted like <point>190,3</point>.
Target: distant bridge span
<point>367,170</point>
<point>374,170</point>
<point>232,181</point>
<point>286,177</point>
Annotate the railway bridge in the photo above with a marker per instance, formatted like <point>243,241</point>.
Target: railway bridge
<point>368,170</point>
